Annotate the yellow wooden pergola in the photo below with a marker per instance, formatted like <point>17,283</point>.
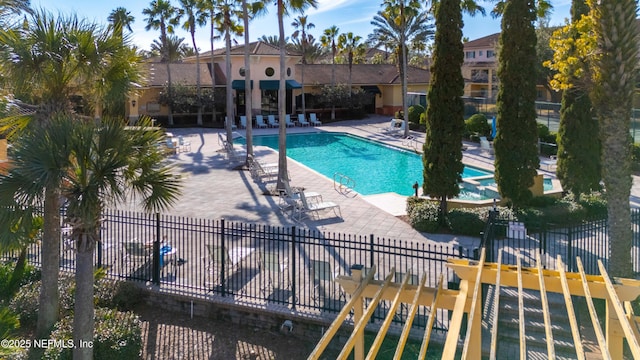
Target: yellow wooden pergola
<point>621,323</point>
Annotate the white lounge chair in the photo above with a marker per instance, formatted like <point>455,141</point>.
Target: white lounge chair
<point>260,121</point>
<point>485,145</point>
<point>392,127</point>
<point>399,129</point>
<point>290,199</point>
<point>310,207</point>
<point>287,121</point>
<point>314,120</point>
<point>260,170</point>
<point>184,145</point>
<point>243,122</point>
<point>302,121</point>
<point>271,121</point>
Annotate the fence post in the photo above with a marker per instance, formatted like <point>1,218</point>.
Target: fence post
<point>371,251</point>
<point>223,281</point>
<point>156,254</point>
<point>570,260</point>
<point>293,267</point>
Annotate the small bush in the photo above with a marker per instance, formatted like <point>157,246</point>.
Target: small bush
<point>477,124</point>
<point>25,302</point>
<point>117,335</point>
<point>542,201</point>
<point>425,217</point>
<point>127,296</point>
<point>9,323</point>
<point>467,221</point>
<point>414,114</point>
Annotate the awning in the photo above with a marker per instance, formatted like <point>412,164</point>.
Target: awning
<point>275,84</point>
<point>372,89</point>
<point>239,84</point>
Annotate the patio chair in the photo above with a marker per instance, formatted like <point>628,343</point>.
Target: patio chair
<point>324,286</point>
<point>134,252</point>
<point>287,121</point>
<point>184,145</point>
<point>391,128</point>
<point>271,121</point>
<point>260,122</point>
<point>313,119</point>
<point>310,207</point>
<point>243,122</point>
<point>273,266</point>
<point>302,121</point>
<point>290,199</point>
<point>261,170</point>
<point>172,147</point>
<point>485,145</point>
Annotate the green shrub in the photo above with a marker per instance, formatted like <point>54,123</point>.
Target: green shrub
<point>543,201</point>
<point>594,204</point>
<point>9,323</point>
<point>477,124</point>
<point>121,295</point>
<point>25,302</point>
<point>467,221</point>
<point>117,335</point>
<point>414,114</point>
<point>635,157</point>
<point>425,217</point>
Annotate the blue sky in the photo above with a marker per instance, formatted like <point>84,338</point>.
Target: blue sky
<point>348,15</point>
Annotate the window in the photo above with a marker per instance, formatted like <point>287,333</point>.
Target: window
<point>470,55</point>
<point>288,71</point>
<point>490,53</point>
<point>480,53</point>
<point>269,71</point>
<point>241,71</point>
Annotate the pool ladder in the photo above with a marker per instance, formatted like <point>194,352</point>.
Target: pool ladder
<point>343,183</point>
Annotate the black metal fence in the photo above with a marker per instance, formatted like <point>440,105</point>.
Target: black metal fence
<point>292,267</point>
<point>588,240</point>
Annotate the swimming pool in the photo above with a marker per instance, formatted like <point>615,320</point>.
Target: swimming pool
<point>375,167</point>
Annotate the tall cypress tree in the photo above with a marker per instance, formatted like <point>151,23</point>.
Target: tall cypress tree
<point>516,144</point>
<point>579,163</point>
<point>442,155</point>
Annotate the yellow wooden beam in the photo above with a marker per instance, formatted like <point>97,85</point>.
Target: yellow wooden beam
<point>545,309</point>
<point>412,313</point>
<point>633,320</point>
<point>358,329</point>
<point>523,338</point>
<point>473,337</point>
<point>632,341</point>
<point>432,318</point>
<point>592,312</point>
<point>496,309</point>
<point>575,330</point>
<point>450,345</point>
<point>627,289</point>
<point>382,332</point>
<point>335,325</point>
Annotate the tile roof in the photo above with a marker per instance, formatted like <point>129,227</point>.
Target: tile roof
<point>256,48</point>
<point>489,41</point>
<point>182,73</point>
<point>362,74</point>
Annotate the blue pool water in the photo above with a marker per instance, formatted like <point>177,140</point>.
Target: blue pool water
<point>376,168</point>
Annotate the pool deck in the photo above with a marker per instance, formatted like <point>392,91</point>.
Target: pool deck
<point>213,189</point>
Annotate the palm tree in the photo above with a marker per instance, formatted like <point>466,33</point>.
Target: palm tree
<point>174,48</point>
<point>9,8</point>
<point>249,11</point>
<point>210,7</point>
<point>162,16</point>
<point>272,40</point>
<point>350,44</point>
<point>398,23</point>
<point>49,82</point>
<point>616,72</point>
<point>196,16</point>
<point>120,19</point>
<point>283,8</point>
<point>301,25</point>
<point>226,16</point>
<point>328,40</point>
